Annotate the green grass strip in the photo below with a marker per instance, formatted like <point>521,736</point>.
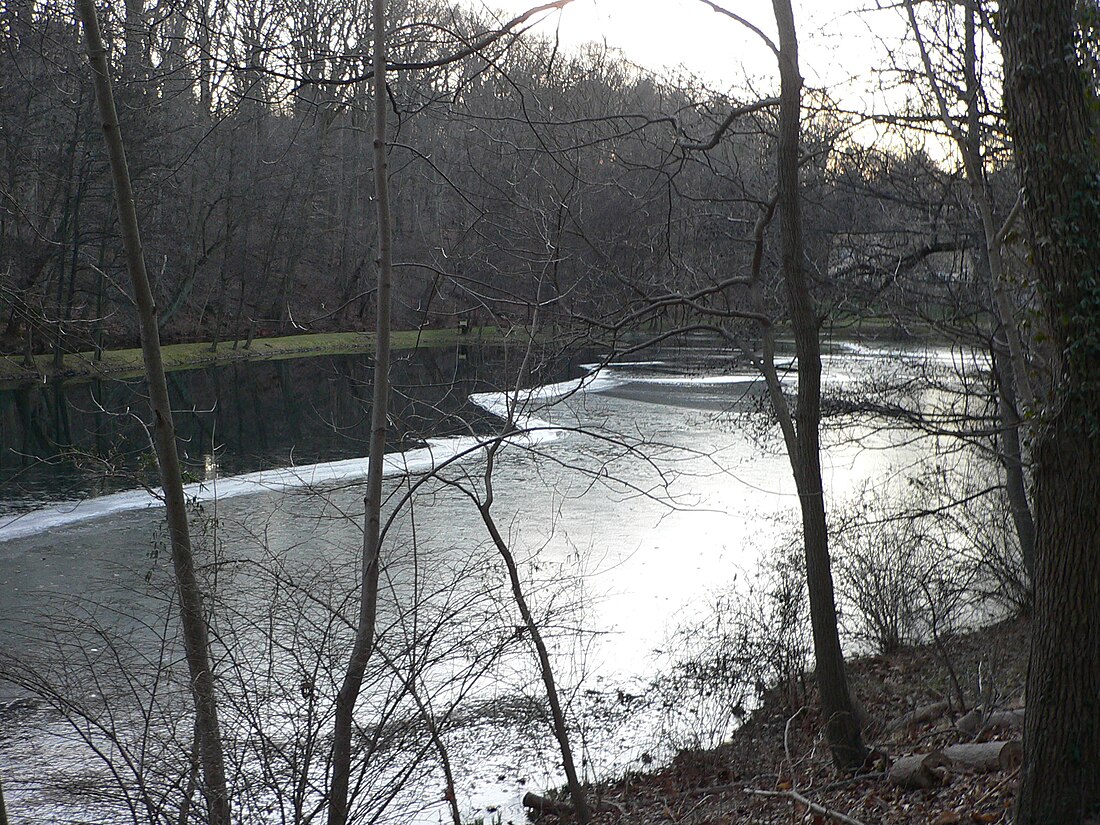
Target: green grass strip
<point>127,363</point>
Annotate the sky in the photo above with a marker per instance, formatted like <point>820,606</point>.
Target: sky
<point>839,44</point>
<point>844,47</point>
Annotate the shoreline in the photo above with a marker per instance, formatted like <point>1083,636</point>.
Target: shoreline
<point>128,363</point>
<point>779,748</point>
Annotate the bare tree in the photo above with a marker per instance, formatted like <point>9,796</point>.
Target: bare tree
<point>1010,357</point>
<point>484,506</point>
<point>802,430</point>
<point>368,596</point>
<point>192,617</point>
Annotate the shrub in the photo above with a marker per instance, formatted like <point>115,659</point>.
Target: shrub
<point>751,638</point>
<point>898,578</point>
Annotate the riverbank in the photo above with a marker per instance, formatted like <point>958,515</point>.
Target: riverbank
<point>127,363</point>
<point>778,755</point>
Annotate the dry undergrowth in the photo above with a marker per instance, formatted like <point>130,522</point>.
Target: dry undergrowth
<point>778,749</point>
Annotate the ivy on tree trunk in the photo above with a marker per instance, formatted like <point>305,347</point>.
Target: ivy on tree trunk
<point>1053,116</point>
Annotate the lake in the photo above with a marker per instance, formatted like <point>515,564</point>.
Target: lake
<point>636,495</point>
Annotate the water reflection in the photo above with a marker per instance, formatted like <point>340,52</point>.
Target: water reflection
<point>68,440</point>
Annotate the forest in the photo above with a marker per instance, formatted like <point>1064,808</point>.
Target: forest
<point>557,302</point>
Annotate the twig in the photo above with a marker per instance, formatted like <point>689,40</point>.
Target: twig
<point>787,739</point>
<point>996,788</point>
<point>813,806</point>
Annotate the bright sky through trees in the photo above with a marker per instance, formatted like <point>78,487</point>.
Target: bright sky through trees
<point>841,40</point>
<point>848,48</point>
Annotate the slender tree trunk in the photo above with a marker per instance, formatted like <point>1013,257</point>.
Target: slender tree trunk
<point>1011,455</point>
<point>1010,363</point>
<point>1009,448</point>
<point>1052,114</point>
<point>191,611</point>
<point>100,296</point>
<point>1010,357</point>
<point>368,597</point>
<point>557,715</point>
<point>841,727</point>
<point>134,38</point>
<point>205,69</point>
<point>70,205</point>
<point>970,146</point>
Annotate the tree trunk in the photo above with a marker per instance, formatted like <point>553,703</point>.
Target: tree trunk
<point>1061,778</point>
<point>841,727</point>
<point>135,39</point>
<point>579,805</point>
<point>1052,114</point>
<point>1011,456</point>
<point>192,619</point>
<point>368,597</point>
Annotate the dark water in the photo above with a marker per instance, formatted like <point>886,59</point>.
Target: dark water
<point>70,440</point>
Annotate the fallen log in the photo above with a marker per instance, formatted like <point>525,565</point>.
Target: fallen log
<point>986,756</point>
<point>924,713</point>
<point>561,808</point>
<point>920,771</point>
<point>545,805</point>
<point>976,721</point>
<point>1013,719</point>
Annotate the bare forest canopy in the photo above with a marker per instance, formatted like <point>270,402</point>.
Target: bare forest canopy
<point>524,177</point>
<point>409,171</point>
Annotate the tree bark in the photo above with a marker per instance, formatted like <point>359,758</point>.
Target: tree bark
<point>192,620</point>
<point>368,597</point>
<point>1052,114</point>
<point>920,771</point>
<point>841,728</point>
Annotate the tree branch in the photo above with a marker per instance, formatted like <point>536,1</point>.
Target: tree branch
<point>712,141</point>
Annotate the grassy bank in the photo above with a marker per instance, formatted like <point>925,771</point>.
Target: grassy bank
<point>127,363</point>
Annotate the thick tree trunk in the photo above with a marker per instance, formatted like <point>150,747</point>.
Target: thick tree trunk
<point>1061,777</point>
<point>192,620</point>
<point>841,727</point>
<point>1052,113</point>
<point>372,527</point>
